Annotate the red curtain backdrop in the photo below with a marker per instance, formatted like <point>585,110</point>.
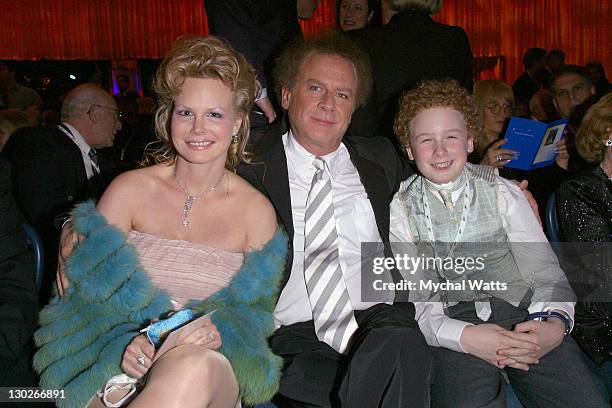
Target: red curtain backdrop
<point>118,29</point>
<point>95,29</point>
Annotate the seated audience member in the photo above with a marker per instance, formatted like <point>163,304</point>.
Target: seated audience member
<point>126,98</point>
<point>10,121</point>
<point>332,192</point>
<point>541,107</point>
<point>531,80</point>
<point>598,77</point>
<point>571,85</point>
<point>520,329</point>
<point>127,103</point>
<point>13,95</point>
<point>496,100</point>
<point>53,168</point>
<point>18,297</point>
<point>357,14</point>
<point>584,210</point>
<point>206,240</point>
<point>573,93</point>
<point>144,131</point>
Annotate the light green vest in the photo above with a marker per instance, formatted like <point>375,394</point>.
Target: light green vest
<point>483,240</point>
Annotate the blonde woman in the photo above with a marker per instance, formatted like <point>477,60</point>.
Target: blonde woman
<point>206,240</point>
<point>584,209</point>
<point>496,101</point>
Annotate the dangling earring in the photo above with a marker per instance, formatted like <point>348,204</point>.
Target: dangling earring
<point>234,137</point>
<point>608,142</point>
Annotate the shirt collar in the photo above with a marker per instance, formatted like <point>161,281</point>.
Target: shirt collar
<point>76,137</point>
<point>337,162</point>
<point>455,187</point>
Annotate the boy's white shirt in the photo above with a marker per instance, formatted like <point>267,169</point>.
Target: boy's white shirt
<point>537,263</point>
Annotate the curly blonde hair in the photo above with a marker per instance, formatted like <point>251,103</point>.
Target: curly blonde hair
<point>203,57</point>
<point>434,94</point>
<point>594,130</point>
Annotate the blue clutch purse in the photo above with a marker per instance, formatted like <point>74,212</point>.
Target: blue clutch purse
<point>157,332</point>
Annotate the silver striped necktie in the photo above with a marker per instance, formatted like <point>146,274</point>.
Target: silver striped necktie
<point>93,156</point>
<point>332,311</point>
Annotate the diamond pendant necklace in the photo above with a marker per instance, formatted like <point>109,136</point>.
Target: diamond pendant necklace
<point>190,199</point>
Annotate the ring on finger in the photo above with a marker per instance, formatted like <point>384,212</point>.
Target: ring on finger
<point>141,360</point>
<point>498,157</point>
<point>211,337</point>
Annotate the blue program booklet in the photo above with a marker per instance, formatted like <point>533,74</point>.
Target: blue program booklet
<point>535,141</point>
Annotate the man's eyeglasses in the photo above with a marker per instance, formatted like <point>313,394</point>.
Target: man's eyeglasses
<point>118,114</point>
<point>567,93</point>
<point>496,109</point>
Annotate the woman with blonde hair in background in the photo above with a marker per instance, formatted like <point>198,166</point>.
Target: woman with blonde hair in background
<point>496,99</point>
<point>584,210</point>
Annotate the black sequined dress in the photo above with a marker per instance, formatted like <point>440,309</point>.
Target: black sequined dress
<point>584,209</point>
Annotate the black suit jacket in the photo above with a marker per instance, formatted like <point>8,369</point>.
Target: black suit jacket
<point>410,48</point>
<point>524,87</point>
<point>48,172</point>
<point>18,297</point>
<point>380,168</point>
<point>258,29</point>
<point>48,178</point>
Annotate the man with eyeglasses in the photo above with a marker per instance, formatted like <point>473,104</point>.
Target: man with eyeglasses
<point>571,86</point>
<point>53,168</point>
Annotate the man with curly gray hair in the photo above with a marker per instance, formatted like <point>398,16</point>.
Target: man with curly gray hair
<point>341,345</point>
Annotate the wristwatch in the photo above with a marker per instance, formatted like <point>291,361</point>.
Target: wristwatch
<point>559,314</point>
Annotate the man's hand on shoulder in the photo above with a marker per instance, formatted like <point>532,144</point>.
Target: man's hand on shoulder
<point>532,202</point>
<point>68,238</point>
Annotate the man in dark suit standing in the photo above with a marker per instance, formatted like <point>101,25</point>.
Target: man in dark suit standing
<point>332,194</point>
<point>56,167</point>
<point>410,48</point>
<point>259,30</point>
<point>532,80</point>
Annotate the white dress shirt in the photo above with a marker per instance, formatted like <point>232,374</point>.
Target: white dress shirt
<point>355,223</point>
<point>83,146</point>
<point>538,264</point>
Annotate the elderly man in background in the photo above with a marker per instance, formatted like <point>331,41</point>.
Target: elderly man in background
<point>56,167</point>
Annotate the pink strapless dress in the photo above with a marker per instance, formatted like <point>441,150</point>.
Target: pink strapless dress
<point>184,269</point>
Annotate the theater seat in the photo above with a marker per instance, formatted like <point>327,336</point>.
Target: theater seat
<point>39,256</point>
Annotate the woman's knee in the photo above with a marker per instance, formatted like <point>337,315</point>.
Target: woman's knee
<point>194,364</point>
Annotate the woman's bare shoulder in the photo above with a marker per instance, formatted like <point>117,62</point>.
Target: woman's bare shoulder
<point>258,214</point>
<point>128,192</point>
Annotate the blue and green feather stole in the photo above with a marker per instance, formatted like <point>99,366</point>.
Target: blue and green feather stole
<point>84,333</point>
